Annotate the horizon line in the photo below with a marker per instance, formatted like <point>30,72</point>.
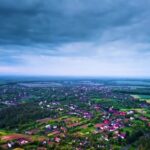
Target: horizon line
<point>80,76</point>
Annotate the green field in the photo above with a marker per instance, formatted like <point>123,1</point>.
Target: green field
<point>142,97</point>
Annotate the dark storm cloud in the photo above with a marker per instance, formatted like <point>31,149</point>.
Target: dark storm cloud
<point>25,22</point>
<point>34,26</point>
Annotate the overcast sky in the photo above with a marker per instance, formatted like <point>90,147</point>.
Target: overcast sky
<point>75,37</point>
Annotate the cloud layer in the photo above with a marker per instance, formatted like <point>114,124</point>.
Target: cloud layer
<point>80,37</point>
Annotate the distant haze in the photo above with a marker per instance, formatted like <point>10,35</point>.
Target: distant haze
<point>75,37</point>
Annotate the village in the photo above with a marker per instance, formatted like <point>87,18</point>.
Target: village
<point>79,116</point>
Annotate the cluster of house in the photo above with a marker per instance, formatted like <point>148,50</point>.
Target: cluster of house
<point>10,94</point>
<point>14,140</point>
<point>113,120</point>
